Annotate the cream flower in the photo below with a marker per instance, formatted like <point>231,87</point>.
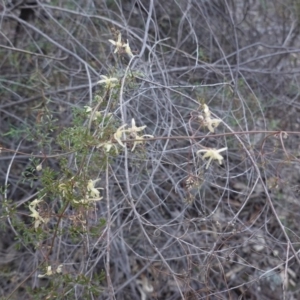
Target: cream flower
<point>108,81</point>
<point>212,154</point>
<point>35,202</point>
<point>89,111</point>
<point>119,46</point>
<point>35,214</point>
<point>127,49</point>
<point>133,133</point>
<point>39,167</point>
<point>59,269</point>
<point>118,134</point>
<point>134,129</point>
<point>49,271</point>
<point>140,138</point>
<point>117,43</point>
<point>206,111</point>
<point>93,194</point>
<point>107,146</point>
<point>63,189</point>
<point>210,123</point>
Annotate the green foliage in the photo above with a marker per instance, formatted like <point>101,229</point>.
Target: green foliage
<point>61,287</point>
<point>15,132</point>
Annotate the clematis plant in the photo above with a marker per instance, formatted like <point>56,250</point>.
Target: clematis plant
<point>93,194</point>
<point>108,81</point>
<point>35,214</point>
<point>117,43</point>
<point>107,146</point>
<point>210,123</point>
<point>133,134</point>
<point>89,111</point>
<point>119,46</point>
<point>50,272</point>
<point>212,154</point>
<point>39,167</point>
<point>127,49</point>
<point>118,134</point>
